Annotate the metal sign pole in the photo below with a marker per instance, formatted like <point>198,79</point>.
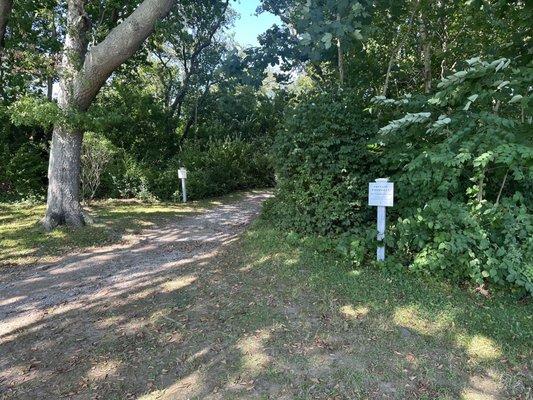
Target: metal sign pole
<point>381,195</point>
<point>381,233</point>
<point>183,190</point>
<point>182,174</point>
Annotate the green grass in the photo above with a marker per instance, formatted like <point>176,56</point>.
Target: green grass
<point>23,241</point>
<point>428,339</point>
<point>273,316</point>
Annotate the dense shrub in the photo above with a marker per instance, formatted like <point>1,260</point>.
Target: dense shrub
<point>96,154</point>
<point>215,168</point>
<point>324,159</point>
<point>467,189</point>
<point>23,159</point>
<point>462,162</point>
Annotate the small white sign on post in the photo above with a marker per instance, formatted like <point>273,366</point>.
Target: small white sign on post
<point>381,194</point>
<point>182,174</point>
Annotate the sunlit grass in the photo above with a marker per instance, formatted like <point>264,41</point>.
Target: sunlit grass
<point>452,336</point>
<point>350,312</point>
<point>23,241</point>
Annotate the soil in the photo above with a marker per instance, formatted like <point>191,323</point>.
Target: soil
<point>89,325</point>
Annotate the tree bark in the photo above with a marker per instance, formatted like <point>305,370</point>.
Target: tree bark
<point>426,54</point>
<point>5,10</point>
<point>50,77</point>
<point>81,76</point>
<point>119,45</point>
<point>63,205</point>
<point>340,57</point>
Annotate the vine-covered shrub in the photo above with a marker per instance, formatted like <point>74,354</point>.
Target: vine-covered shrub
<point>461,160</point>
<point>324,159</point>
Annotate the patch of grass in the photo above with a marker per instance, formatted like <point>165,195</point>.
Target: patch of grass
<point>23,241</point>
<point>272,316</point>
<point>407,336</point>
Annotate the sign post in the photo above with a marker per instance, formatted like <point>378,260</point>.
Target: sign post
<point>182,174</point>
<point>381,194</point>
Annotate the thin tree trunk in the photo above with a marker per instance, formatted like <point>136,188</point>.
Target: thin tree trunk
<point>5,10</point>
<point>400,41</point>
<point>340,57</point>
<point>341,62</point>
<point>49,88</point>
<point>501,187</point>
<point>50,77</point>
<point>426,55</point>
<point>193,118</point>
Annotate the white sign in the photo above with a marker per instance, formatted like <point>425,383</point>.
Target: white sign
<point>381,194</point>
<point>182,173</point>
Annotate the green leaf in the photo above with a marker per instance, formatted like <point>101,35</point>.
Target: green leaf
<point>327,38</point>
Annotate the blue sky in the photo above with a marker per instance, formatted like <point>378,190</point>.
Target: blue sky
<point>248,26</point>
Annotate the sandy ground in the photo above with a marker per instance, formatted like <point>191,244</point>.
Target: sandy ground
<point>50,314</point>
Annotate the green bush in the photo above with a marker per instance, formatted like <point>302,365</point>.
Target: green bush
<point>215,168</point>
<point>449,239</point>
<point>23,159</point>
<point>466,191</point>
<point>26,170</point>
<point>96,154</point>
<point>324,159</point>
<point>461,160</point>
<point>223,166</point>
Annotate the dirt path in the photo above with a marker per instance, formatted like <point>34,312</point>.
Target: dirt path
<point>56,320</point>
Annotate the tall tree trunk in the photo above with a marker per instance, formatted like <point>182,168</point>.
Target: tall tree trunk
<point>63,205</point>
<point>400,39</point>
<point>50,77</point>
<point>426,54</point>
<point>340,57</point>
<point>5,10</point>
<point>49,88</point>
<point>81,76</point>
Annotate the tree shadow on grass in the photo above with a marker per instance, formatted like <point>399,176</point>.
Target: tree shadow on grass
<point>27,243</point>
<point>243,322</point>
<point>23,241</point>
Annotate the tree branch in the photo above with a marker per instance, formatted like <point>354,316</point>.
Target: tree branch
<point>175,108</point>
<point>119,45</point>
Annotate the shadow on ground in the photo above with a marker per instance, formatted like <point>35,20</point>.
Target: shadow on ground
<point>189,311</point>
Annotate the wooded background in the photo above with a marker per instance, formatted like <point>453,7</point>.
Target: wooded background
<point>435,95</point>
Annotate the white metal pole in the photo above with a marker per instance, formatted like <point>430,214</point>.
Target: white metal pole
<point>183,190</point>
<point>381,233</point>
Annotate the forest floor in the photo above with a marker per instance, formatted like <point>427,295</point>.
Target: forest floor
<point>199,305</point>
